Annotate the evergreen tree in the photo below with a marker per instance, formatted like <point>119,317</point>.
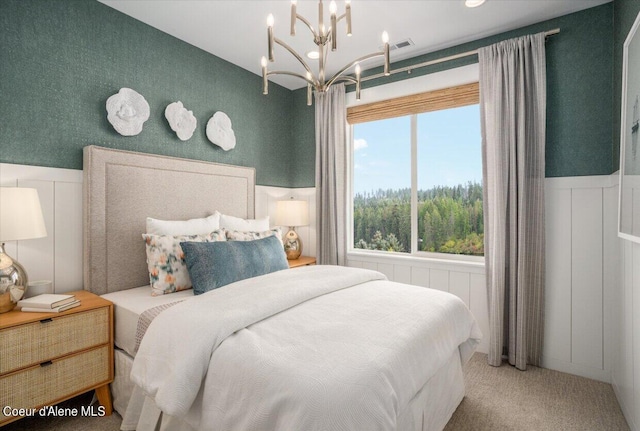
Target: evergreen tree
<point>450,219</point>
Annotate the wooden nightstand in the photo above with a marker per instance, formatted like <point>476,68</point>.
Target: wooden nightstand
<point>302,261</point>
<point>46,358</point>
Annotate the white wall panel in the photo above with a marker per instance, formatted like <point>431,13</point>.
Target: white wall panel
<point>557,339</point>
<point>586,254</point>
<point>610,273</point>
<point>387,269</point>
<point>56,188</point>
<point>370,265</point>
<point>402,274</point>
<point>459,286</point>
<point>420,276</point>
<point>479,307</point>
<point>36,255</point>
<point>439,279</point>
<point>68,250</point>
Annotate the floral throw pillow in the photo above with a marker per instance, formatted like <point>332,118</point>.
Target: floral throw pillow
<point>236,235</point>
<point>165,260</point>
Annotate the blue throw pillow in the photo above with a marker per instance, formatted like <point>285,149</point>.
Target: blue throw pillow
<point>215,264</point>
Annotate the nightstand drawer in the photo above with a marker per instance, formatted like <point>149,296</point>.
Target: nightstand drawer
<point>37,342</point>
<point>43,384</point>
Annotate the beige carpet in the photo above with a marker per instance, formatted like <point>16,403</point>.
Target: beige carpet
<point>501,398</point>
<point>504,398</point>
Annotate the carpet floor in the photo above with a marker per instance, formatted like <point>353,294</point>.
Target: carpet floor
<point>498,398</point>
<point>505,398</point>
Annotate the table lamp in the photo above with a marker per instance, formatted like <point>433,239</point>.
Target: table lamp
<point>292,213</point>
<point>20,219</point>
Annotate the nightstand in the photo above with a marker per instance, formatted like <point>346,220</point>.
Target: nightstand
<point>302,261</point>
<point>46,358</point>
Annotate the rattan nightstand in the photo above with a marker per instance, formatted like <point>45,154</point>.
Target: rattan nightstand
<point>302,261</point>
<point>46,358</point>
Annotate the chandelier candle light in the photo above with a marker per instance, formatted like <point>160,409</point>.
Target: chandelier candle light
<point>321,37</point>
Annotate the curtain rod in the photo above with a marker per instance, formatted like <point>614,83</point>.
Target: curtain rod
<point>408,69</point>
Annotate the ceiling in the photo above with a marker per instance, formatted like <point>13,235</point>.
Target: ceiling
<point>237,32</point>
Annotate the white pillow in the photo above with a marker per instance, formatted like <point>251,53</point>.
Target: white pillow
<point>235,235</point>
<point>244,225</point>
<point>196,226</point>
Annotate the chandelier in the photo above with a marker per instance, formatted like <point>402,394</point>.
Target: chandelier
<point>325,39</point>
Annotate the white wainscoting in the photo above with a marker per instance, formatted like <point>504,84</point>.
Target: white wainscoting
<point>592,314</point>
<point>582,274</point>
<point>58,256</point>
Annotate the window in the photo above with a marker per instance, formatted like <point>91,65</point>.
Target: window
<point>417,174</point>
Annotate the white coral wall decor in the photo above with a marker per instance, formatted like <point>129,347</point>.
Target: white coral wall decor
<point>181,120</point>
<point>219,131</point>
<point>127,111</point>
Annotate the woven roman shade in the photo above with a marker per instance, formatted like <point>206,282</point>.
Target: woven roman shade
<point>452,97</point>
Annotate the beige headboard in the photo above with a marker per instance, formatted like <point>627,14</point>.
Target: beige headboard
<point>123,188</point>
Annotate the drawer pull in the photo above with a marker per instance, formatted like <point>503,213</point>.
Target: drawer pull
<point>46,320</point>
<point>46,364</point>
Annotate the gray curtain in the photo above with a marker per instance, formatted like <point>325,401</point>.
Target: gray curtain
<point>331,156</point>
<point>513,113</point>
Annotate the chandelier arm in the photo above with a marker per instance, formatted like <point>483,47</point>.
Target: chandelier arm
<point>295,54</point>
<point>297,75</point>
<point>345,78</point>
<point>353,63</point>
<point>308,24</point>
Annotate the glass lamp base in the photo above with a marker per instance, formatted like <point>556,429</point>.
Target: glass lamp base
<point>292,245</point>
<point>13,281</point>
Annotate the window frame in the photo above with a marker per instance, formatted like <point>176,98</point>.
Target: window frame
<point>441,82</point>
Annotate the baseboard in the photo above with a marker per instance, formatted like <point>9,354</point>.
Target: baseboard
<point>626,412</point>
<point>578,370</point>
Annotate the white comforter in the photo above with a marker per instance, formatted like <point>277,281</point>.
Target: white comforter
<point>315,348</point>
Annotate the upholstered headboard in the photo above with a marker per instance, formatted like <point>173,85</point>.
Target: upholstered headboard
<point>123,188</point>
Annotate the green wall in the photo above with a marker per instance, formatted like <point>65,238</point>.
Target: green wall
<point>61,59</point>
<point>303,137</point>
<point>579,90</point>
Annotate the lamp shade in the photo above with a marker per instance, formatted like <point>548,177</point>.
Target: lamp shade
<point>292,213</point>
<point>20,214</point>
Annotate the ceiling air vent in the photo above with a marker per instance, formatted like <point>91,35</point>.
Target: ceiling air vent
<point>399,45</point>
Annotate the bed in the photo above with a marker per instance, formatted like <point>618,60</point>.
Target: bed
<point>320,347</point>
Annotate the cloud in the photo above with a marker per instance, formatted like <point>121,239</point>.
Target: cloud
<point>359,144</point>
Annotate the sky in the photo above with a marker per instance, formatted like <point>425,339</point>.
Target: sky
<point>448,150</point>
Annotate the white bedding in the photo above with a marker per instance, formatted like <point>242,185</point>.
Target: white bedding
<point>316,348</point>
<point>129,305</point>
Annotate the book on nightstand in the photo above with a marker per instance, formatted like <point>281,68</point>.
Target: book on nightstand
<point>46,301</point>
<point>52,310</point>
